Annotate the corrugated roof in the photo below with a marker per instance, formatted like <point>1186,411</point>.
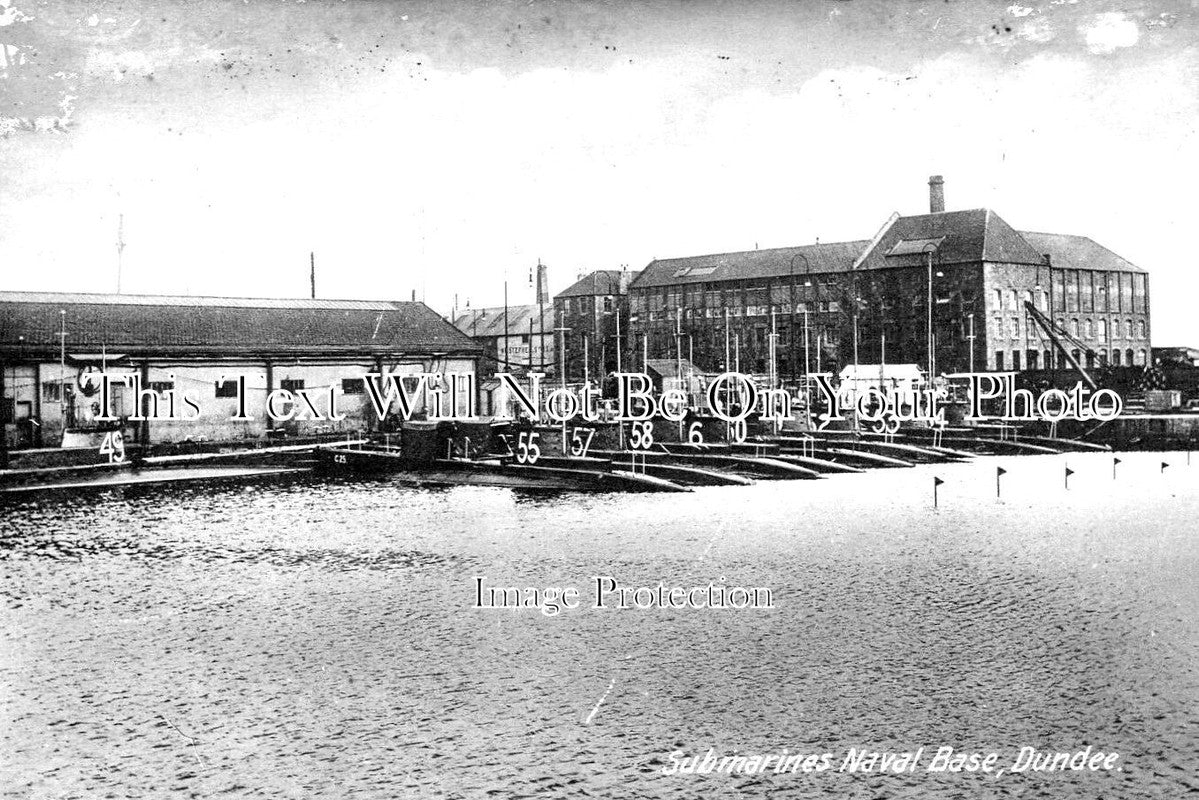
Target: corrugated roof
<point>750,264</point>
<point>599,282</point>
<point>1077,252</point>
<point>488,322</point>
<point>220,325</point>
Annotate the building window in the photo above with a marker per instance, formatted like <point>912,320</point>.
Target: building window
<point>352,386</point>
<point>999,359</point>
<point>162,386</point>
<point>1015,359</point>
<point>1103,330</point>
<point>291,384</point>
<point>1115,358</point>
<point>1074,326</point>
<point>1128,357</point>
<point>1015,300</point>
<point>52,391</point>
<point>1090,329</point>
<point>1048,359</point>
<point>998,299</point>
<point>226,389</point>
<point>1128,331</point>
<point>1016,328</point>
<point>608,304</point>
<point>1141,329</point>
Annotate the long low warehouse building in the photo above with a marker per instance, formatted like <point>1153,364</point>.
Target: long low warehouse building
<point>52,345</point>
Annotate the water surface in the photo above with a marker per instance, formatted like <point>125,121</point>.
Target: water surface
<point>303,639</point>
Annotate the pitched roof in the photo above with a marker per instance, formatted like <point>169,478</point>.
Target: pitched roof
<point>488,322</point>
<point>159,324</point>
<point>750,264</point>
<point>599,282</point>
<point>669,367</point>
<point>1077,252</point>
<point>954,236</point>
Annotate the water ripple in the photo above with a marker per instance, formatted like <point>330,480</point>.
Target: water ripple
<point>309,639</point>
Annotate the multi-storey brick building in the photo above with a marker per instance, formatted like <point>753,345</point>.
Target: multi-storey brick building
<point>953,285</point>
<point>594,313</point>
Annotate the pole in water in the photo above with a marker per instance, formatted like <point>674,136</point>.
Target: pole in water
<point>999,473</point>
<point>936,482</point>
<point>1115,461</point>
<point>1069,472</point>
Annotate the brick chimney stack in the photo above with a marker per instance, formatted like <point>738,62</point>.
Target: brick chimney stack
<point>543,286</point>
<point>936,194</point>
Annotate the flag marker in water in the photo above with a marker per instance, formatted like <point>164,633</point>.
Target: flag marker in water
<point>1069,472</point>
<point>936,482</point>
<point>1164,465</point>
<point>999,473</point>
<point>1115,461</point>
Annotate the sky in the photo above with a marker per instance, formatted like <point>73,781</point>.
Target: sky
<point>442,148</point>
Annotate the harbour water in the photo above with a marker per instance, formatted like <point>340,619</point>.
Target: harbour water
<point>309,639</point>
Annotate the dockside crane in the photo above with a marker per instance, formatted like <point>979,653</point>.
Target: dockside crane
<point>1056,334</point>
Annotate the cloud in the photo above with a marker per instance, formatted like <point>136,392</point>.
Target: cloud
<point>1109,32</point>
<point>1027,26</point>
<point>10,14</point>
<point>115,65</point>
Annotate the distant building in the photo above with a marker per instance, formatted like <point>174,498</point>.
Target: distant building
<point>51,344</point>
<point>594,311</point>
<point>830,305</point>
<point>516,339</point>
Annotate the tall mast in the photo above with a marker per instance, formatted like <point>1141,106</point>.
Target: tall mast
<point>120,247</point>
